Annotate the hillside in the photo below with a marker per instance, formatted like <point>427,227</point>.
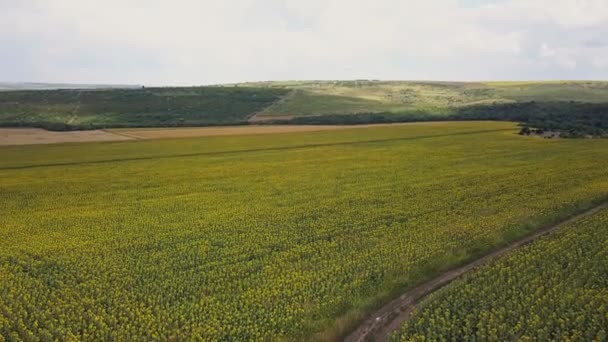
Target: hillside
<point>576,107</point>
<point>143,107</point>
<point>12,86</point>
<point>356,97</point>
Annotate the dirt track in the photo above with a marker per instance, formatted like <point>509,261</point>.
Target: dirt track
<point>389,318</point>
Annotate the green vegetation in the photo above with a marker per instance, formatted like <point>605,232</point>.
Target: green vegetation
<point>555,289</point>
<point>574,108</point>
<point>370,97</point>
<point>555,91</point>
<point>292,236</point>
<point>572,119</point>
<point>434,98</point>
<point>144,107</point>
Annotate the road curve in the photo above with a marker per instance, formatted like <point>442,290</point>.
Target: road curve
<point>386,320</point>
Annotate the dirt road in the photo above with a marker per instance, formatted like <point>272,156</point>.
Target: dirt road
<point>389,318</point>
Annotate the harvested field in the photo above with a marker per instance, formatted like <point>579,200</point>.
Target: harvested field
<point>189,132</point>
<point>258,118</point>
<point>29,136</point>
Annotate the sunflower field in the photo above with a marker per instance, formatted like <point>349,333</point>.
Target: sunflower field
<point>269,237</point>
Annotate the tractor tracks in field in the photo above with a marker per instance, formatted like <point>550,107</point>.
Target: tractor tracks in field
<point>76,108</point>
<point>258,117</point>
<point>389,318</point>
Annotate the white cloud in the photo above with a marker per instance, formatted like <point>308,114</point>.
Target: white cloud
<point>600,61</point>
<point>199,42</point>
<point>546,51</point>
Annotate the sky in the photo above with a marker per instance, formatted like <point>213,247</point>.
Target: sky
<point>197,42</point>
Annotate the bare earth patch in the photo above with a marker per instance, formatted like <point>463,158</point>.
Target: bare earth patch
<point>259,118</point>
<point>188,132</point>
<point>28,136</point>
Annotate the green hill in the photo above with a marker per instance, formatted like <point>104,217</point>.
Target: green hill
<point>143,107</point>
<point>396,97</point>
<point>578,107</point>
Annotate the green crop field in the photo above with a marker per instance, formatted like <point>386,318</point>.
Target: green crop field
<point>287,236</point>
<point>553,290</point>
<point>146,107</point>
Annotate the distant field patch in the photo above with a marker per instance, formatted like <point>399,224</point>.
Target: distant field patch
<point>153,133</point>
<point>191,132</point>
<point>30,136</point>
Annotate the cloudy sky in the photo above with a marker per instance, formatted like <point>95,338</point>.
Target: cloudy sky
<point>186,42</point>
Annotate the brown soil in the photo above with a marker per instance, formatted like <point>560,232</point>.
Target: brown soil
<point>259,118</point>
<point>382,323</point>
<point>28,136</point>
<point>187,132</point>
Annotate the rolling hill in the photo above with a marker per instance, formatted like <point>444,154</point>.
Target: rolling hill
<point>576,107</point>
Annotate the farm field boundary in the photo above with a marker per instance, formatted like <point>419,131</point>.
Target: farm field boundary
<point>192,132</point>
<point>262,149</point>
<point>388,318</point>
<point>37,136</point>
<point>34,136</point>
